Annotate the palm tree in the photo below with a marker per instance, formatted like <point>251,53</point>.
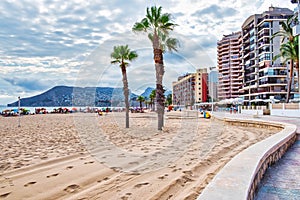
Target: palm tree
<point>169,99</point>
<point>287,31</point>
<point>120,55</point>
<point>152,96</point>
<point>147,102</point>
<point>158,26</point>
<point>140,99</point>
<point>289,50</point>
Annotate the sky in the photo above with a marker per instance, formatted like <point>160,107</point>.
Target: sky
<point>46,43</point>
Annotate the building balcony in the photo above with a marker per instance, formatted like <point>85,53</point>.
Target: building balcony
<point>263,29</point>
<point>265,84</point>
<point>236,68</point>
<point>262,42</point>
<point>278,66</point>
<point>245,34</point>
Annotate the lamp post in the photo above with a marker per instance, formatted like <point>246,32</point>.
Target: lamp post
<point>19,113</point>
<point>212,88</point>
<point>249,95</point>
<point>296,32</point>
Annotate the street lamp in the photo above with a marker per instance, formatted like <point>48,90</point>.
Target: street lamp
<point>249,95</point>
<point>296,32</point>
<point>212,88</point>
<point>19,111</point>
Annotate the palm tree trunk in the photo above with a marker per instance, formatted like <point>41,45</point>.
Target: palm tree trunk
<point>159,68</point>
<point>290,81</point>
<point>126,94</point>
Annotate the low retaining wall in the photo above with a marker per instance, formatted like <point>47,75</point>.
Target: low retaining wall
<point>285,113</point>
<point>239,178</point>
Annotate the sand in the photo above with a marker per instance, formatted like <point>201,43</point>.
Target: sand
<point>85,156</point>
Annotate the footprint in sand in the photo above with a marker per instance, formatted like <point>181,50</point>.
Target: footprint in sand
<point>126,196</point>
<point>4,195</point>
<point>91,162</point>
<point>30,183</point>
<point>52,175</point>
<point>163,177</point>
<point>133,163</point>
<point>72,188</point>
<point>116,169</point>
<point>69,167</point>
<point>190,173</point>
<point>140,185</point>
<point>134,173</point>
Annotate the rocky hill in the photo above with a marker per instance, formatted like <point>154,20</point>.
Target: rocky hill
<point>76,96</point>
<point>81,96</point>
<point>148,91</point>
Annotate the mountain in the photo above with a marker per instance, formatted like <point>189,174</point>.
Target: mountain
<point>81,96</point>
<point>76,96</point>
<point>148,91</point>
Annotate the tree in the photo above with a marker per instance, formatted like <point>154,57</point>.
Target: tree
<point>152,96</point>
<point>289,50</point>
<point>140,99</point>
<point>120,55</point>
<point>169,99</point>
<point>158,27</point>
<point>147,102</point>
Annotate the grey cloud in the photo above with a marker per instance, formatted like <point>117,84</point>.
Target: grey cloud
<point>216,11</point>
<point>27,84</point>
<point>78,31</point>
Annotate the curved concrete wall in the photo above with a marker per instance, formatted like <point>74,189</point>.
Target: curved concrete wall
<point>239,178</point>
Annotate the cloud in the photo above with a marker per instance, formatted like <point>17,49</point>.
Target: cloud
<point>69,42</point>
<point>28,84</point>
<point>215,11</point>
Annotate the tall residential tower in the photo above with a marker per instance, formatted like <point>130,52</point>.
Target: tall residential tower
<point>262,76</point>
<point>229,66</point>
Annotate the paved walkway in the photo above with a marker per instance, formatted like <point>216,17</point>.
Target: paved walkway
<point>290,120</point>
<point>282,180</point>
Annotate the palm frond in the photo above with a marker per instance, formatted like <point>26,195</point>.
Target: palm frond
<point>160,24</point>
<point>121,54</point>
<point>172,44</point>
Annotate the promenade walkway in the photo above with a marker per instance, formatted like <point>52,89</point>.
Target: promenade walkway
<point>282,180</point>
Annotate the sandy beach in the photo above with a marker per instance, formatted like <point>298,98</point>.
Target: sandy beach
<point>85,156</point>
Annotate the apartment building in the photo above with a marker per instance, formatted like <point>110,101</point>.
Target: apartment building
<point>229,66</point>
<point>213,81</point>
<point>191,88</point>
<point>262,76</point>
